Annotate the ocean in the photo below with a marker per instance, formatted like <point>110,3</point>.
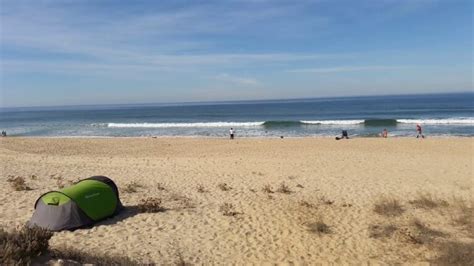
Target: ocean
<point>438,114</point>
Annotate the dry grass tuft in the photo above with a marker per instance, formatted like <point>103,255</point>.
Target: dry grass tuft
<point>131,187</point>
<point>180,261</point>
<point>306,204</point>
<point>426,234</point>
<point>267,189</point>
<point>326,201</point>
<point>227,209</point>
<point>319,227</point>
<point>283,188</point>
<point>224,187</point>
<point>388,207</point>
<point>421,233</point>
<point>18,183</point>
<point>427,201</point>
<point>21,246</point>
<point>201,189</point>
<point>381,231</point>
<point>150,205</point>
<point>24,246</point>
<point>465,219</point>
<point>60,183</point>
<point>455,253</point>
<point>160,186</point>
<point>258,173</point>
<point>180,201</point>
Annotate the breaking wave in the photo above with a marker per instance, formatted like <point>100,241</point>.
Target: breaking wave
<point>279,124</point>
<point>447,121</point>
<point>181,125</point>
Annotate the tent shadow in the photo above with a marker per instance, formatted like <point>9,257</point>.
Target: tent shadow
<point>125,213</point>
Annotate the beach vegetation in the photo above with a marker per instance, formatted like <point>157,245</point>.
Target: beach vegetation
<point>131,187</point>
<point>465,217</point>
<point>180,261</point>
<point>427,201</point>
<point>306,204</point>
<point>267,189</point>
<point>382,231</point>
<point>388,207</point>
<point>150,205</point>
<point>160,186</point>
<point>201,188</point>
<point>227,209</point>
<point>284,188</point>
<point>224,187</point>
<point>182,201</point>
<point>18,183</point>
<point>60,183</point>
<point>422,233</point>
<point>21,246</point>
<point>319,227</point>
<point>326,201</point>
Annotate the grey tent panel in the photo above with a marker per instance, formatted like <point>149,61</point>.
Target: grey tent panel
<point>57,218</point>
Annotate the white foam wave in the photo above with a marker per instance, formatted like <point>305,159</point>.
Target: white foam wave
<point>447,121</point>
<point>184,125</point>
<point>333,122</point>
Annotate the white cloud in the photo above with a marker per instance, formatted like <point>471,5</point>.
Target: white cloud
<point>345,69</point>
<point>238,80</point>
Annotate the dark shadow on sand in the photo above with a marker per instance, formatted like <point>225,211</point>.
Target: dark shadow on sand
<point>125,213</point>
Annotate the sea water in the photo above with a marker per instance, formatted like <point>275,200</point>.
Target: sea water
<point>438,114</point>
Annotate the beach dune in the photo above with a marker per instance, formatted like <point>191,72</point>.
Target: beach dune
<point>292,200</point>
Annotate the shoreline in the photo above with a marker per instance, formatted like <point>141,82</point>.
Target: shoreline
<point>237,138</point>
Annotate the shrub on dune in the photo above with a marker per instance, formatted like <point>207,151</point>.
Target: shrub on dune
<point>21,246</point>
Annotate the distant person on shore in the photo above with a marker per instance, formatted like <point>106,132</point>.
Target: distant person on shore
<point>344,135</point>
<point>384,133</point>
<point>419,132</point>
<point>231,133</point>
<point>4,133</point>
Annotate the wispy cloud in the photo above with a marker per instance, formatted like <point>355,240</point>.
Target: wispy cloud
<point>165,37</point>
<point>172,48</point>
<point>345,69</point>
<point>237,80</point>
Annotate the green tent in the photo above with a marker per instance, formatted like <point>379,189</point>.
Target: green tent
<point>80,205</point>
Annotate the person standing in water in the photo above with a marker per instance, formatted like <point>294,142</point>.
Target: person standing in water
<point>231,133</point>
<point>384,133</point>
<point>419,131</point>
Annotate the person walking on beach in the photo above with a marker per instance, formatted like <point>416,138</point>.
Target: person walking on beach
<point>344,135</point>
<point>231,133</point>
<point>419,131</point>
<point>384,133</point>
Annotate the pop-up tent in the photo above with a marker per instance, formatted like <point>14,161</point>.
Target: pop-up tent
<point>82,204</point>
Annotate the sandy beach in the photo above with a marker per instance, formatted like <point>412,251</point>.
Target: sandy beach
<point>277,191</point>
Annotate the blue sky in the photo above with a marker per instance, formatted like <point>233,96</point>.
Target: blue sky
<point>100,52</point>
